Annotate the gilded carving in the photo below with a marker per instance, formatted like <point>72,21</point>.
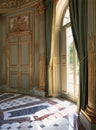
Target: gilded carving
<point>14,5</point>
<point>41,7</point>
<point>7,3</point>
<point>22,2</point>
<point>19,23</point>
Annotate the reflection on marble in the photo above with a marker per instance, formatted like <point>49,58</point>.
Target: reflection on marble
<point>52,114</point>
<point>6,96</point>
<point>18,102</point>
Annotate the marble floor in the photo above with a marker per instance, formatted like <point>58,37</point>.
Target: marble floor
<point>25,112</point>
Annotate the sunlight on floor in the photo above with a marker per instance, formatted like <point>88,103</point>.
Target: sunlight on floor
<point>39,114</point>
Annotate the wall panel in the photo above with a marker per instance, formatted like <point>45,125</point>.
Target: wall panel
<point>22,46</point>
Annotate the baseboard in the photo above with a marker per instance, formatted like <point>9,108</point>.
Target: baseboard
<point>87,121</point>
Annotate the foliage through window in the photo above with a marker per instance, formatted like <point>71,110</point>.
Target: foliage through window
<point>72,64</point>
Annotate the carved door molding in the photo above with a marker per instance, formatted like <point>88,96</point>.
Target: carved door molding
<point>19,61</point>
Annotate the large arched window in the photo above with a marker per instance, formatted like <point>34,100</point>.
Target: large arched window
<point>66,18</point>
<point>70,68</point>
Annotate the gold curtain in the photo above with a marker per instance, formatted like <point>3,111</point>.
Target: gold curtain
<point>50,68</point>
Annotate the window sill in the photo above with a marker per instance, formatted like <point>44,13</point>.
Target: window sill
<point>68,96</point>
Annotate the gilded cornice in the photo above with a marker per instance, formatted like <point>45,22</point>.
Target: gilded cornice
<point>14,5</point>
<point>41,7</point>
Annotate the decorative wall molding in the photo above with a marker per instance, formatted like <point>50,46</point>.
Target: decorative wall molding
<point>19,23</point>
<point>92,43</point>
<point>42,68</point>
<point>4,4</point>
<point>14,5</point>
<point>22,2</point>
<point>7,4</point>
<point>41,7</point>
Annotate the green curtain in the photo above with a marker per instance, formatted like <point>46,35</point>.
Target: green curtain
<point>49,23</point>
<point>78,15</point>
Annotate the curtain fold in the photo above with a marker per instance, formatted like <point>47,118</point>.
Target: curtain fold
<point>50,32</point>
<point>78,15</point>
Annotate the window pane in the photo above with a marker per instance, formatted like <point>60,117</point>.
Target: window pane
<point>66,18</point>
<point>70,61</point>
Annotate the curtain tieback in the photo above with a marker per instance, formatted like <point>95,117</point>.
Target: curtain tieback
<point>84,58</point>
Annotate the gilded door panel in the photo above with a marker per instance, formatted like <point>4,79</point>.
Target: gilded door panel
<point>13,39</point>
<point>3,66</point>
<point>25,38</point>
<point>19,61</point>
<point>25,50</point>
<point>13,58</point>
<point>13,69</point>
<point>25,62</point>
<point>25,81</point>
<point>24,66</point>
<point>25,69</point>
<point>13,80</point>
<point>24,54</point>
<point>13,62</point>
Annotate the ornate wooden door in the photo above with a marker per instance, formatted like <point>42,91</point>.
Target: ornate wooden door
<point>19,62</point>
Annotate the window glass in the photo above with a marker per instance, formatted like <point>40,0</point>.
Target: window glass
<point>66,18</point>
